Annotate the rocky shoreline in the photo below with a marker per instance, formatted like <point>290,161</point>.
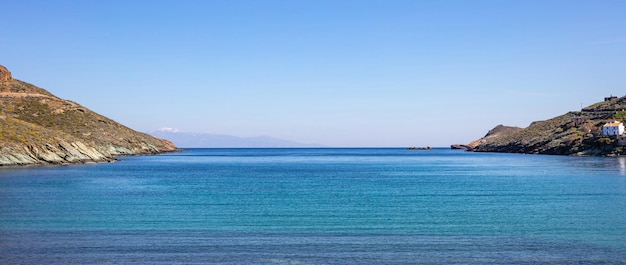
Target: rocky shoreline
<point>64,153</point>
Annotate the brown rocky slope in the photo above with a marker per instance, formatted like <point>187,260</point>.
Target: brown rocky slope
<point>37,127</point>
<point>573,133</point>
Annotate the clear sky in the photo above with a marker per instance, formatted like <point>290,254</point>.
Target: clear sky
<point>337,73</point>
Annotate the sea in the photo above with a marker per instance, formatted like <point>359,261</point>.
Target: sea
<point>317,206</point>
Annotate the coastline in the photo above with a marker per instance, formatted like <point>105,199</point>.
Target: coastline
<point>17,160</point>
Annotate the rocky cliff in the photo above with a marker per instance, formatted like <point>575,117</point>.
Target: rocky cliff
<point>37,127</point>
<point>573,133</point>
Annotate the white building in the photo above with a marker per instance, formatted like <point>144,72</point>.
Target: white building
<point>613,128</point>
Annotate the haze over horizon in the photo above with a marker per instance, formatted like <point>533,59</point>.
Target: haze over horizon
<point>334,73</point>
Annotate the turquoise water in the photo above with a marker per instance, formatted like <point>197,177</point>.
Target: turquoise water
<point>317,206</point>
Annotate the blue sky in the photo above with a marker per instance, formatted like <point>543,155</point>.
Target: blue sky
<point>337,73</point>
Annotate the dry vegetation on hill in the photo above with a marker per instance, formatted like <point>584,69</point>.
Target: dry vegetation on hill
<point>574,133</point>
<point>39,128</point>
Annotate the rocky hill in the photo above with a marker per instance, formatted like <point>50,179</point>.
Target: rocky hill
<point>574,133</point>
<point>37,127</point>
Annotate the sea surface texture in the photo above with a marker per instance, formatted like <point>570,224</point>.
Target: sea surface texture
<point>317,206</point>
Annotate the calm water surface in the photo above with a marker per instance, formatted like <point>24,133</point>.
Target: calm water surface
<point>317,206</point>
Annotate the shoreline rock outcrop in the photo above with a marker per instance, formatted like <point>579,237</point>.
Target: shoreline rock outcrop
<point>38,128</point>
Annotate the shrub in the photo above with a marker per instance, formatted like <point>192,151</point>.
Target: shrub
<point>620,116</point>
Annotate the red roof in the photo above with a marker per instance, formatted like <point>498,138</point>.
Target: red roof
<point>613,124</point>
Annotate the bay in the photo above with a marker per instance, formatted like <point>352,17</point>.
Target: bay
<point>317,206</point>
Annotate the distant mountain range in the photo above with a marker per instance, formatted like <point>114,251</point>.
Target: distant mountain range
<point>209,140</point>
